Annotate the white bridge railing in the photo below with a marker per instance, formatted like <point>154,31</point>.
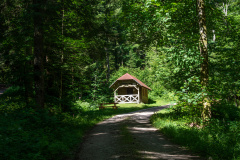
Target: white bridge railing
<point>132,98</point>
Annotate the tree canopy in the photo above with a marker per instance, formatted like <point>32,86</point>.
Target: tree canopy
<point>56,52</point>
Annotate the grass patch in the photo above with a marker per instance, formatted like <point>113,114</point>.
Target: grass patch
<point>126,140</point>
<point>219,140</point>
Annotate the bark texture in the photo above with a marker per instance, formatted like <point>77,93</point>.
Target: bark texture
<point>203,41</point>
<point>38,51</point>
<point>206,113</point>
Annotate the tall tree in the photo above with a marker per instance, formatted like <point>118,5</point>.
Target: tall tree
<point>204,54</point>
<point>38,19</point>
<point>203,41</point>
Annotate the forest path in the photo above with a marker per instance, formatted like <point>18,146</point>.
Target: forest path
<point>130,137</point>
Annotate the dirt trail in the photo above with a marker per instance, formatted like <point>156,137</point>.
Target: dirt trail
<point>130,137</point>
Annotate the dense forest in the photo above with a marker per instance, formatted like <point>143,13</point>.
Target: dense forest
<point>59,57</point>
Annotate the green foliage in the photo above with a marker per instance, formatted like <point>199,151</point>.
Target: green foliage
<point>219,139</point>
<point>191,99</point>
<point>89,44</point>
<point>12,99</point>
<point>29,134</point>
<point>81,106</point>
<point>225,112</point>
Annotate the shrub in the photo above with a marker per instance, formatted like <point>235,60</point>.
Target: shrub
<point>81,106</point>
<point>219,139</point>
<point>225,111</point>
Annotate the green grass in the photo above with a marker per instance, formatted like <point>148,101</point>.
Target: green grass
<point>218,140</point>
<point>44,135</point>
<point>128,142</point>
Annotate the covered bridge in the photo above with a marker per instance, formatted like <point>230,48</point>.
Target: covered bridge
<point>128,89</point>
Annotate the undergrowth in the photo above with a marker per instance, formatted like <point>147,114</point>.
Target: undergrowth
<point>49,134</point>
<point>219,138</point>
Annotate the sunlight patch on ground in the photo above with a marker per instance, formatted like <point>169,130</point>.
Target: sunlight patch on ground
<point>98,134</point>
<point>144,113</point>
<point>157,155</point>
<point>143,129</point>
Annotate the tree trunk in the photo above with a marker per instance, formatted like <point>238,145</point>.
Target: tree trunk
<point>62,58</point>
<point>214,36</point>
<point>107,41</point>
<point>206,113</point>
<point>27,79</point>
<point>203,41</point>
<point>38,52</point>
<point>108,66</point>
<point>225,9</point>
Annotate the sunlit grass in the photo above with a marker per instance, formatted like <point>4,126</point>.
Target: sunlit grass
<point>126,139</point>
<point>216,140</point>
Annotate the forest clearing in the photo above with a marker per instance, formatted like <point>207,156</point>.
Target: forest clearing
<point>69,65</point>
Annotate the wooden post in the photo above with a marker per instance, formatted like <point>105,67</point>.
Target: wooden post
<point>138,95</point>
<point>115,96</point>
<point>115,107</point>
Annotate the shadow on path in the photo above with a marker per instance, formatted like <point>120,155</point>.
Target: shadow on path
<point>130,136</point>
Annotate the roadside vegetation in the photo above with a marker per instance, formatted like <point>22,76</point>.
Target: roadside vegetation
<point>218,138</point>
<point>49,134</point>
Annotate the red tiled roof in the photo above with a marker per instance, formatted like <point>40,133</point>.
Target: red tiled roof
<point>130,77</point>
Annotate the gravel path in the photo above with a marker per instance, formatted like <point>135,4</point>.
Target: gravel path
<point>130,137</point>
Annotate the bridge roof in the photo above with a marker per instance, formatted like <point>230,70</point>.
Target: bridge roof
<point>130,77</point>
